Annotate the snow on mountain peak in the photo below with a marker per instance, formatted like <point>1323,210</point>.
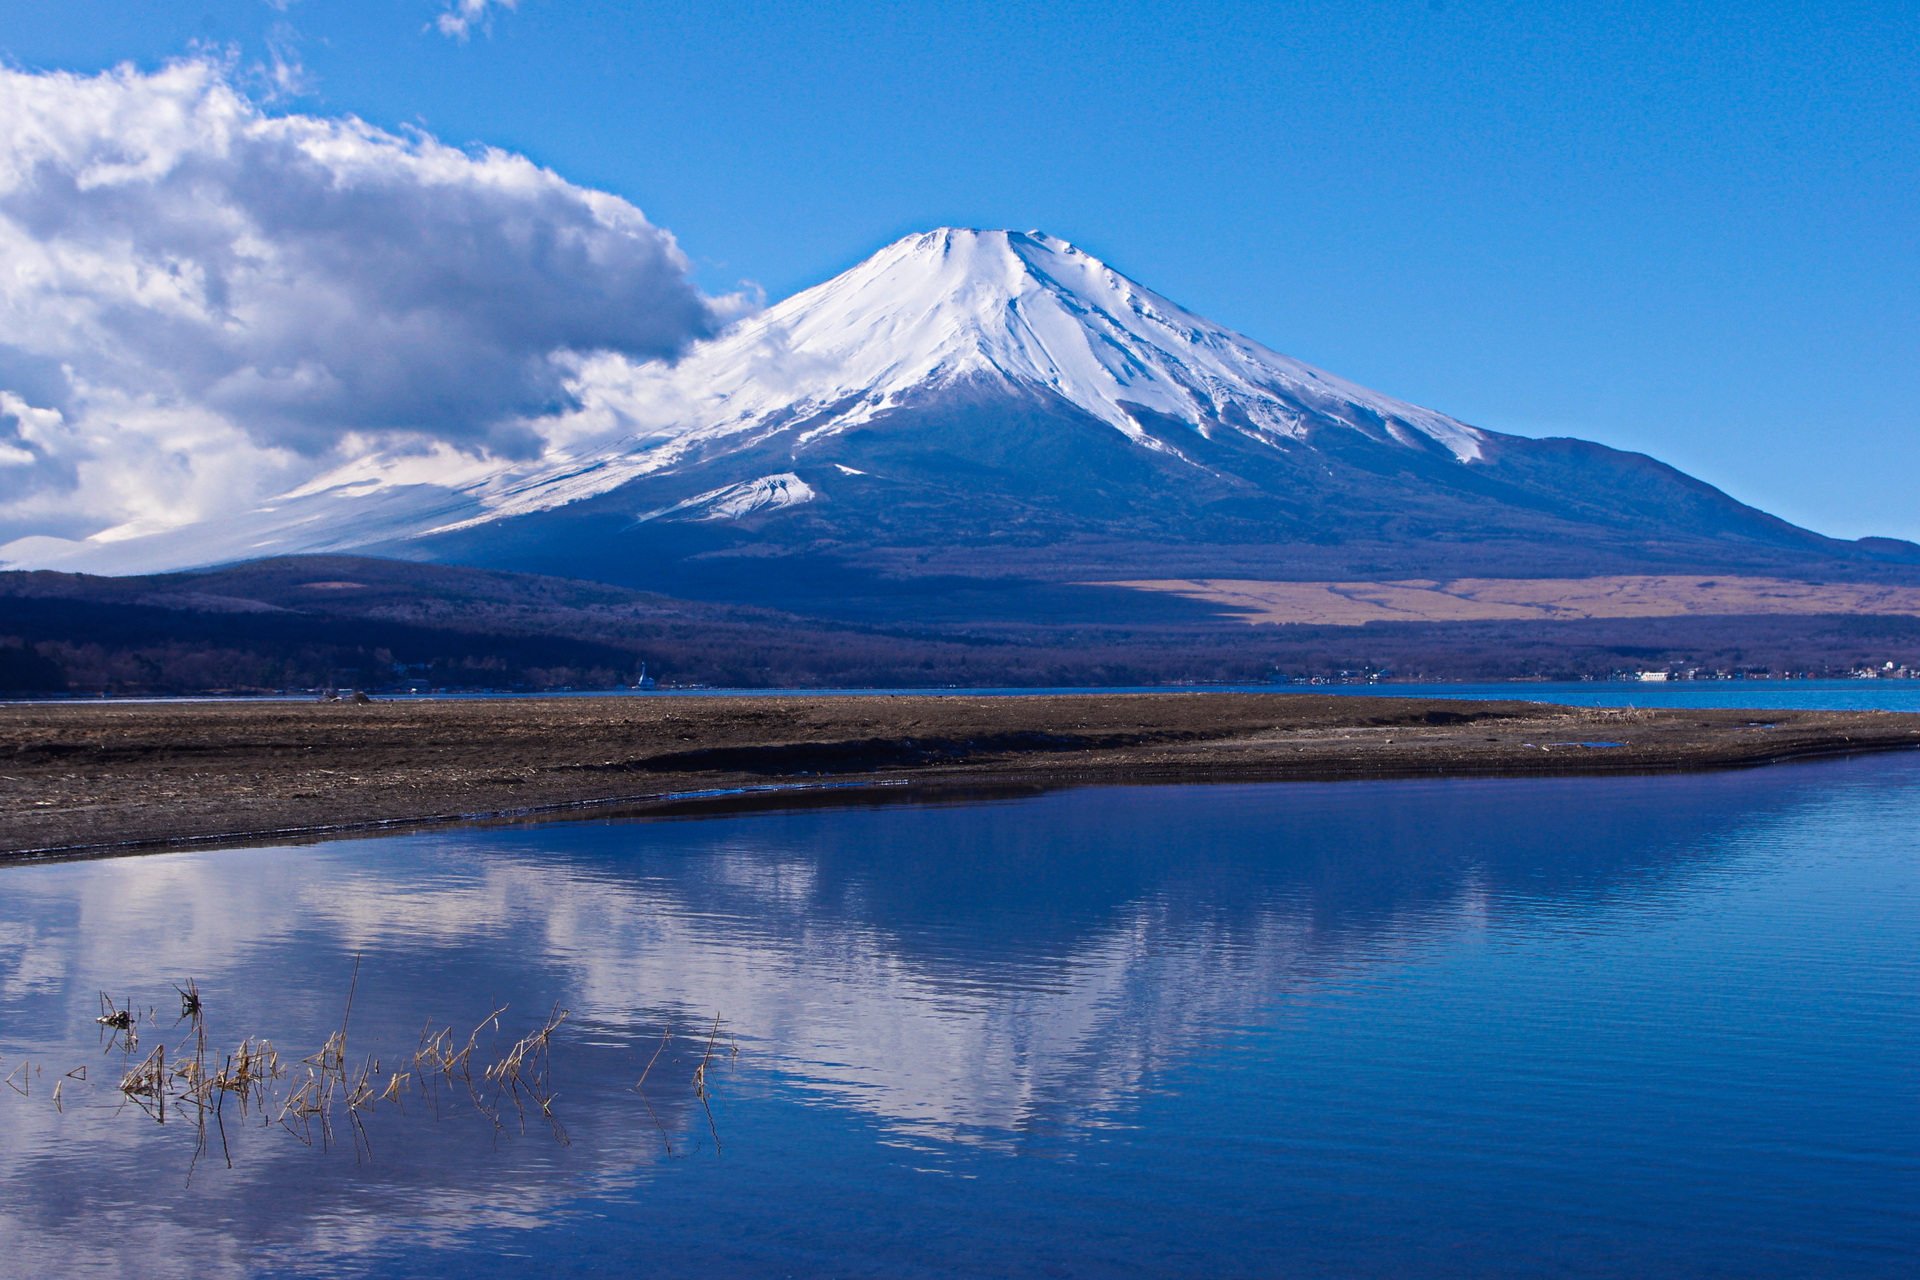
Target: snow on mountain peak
<point>1034,308</point>
<point>941,308</point>
<point>1030,308</point>
<point>944,308</point>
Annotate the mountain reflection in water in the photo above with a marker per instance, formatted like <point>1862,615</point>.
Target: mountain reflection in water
<point>1646,1024</point>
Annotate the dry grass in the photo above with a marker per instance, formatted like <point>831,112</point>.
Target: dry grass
<point>1353,604</point>
<point>527,1071</point>
<point>702,1082</point>
<point>184,1077</point>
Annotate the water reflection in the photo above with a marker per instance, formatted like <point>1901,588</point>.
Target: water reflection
<point>1005,981</point>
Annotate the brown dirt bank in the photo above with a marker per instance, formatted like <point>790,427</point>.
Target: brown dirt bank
<point>77,776</point>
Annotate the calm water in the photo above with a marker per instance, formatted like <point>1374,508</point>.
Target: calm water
<point>1606,1027</point>
<point>1806,695</point>
<point>1781,695</point>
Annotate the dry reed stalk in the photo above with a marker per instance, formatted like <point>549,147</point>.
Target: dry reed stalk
<point>305,1103</point>
<point>121,1022</point>
<point>360,1096</point>
<point>640,1087</point>
<point>426,1061</point>
<point>248,1072</point>
<point>193,1075</point>
<point>146,1085</point>
<point>528,1068</point>
<point>117,1018</point>
<point>437,1060</point>
<point>700,1083</point>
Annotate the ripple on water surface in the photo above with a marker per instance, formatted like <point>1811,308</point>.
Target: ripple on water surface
<point>1588,1026</point>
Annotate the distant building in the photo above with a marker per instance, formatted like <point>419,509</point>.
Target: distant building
<point>1654,675</point>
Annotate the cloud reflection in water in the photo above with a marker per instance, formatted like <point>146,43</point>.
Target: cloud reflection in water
<point>995,977</point>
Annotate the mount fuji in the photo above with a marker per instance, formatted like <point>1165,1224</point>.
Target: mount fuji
<point>979,420</point>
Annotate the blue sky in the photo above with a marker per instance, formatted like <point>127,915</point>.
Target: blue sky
<point>1686,228</point>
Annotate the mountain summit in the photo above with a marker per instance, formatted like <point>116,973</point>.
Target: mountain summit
<point>1026,314</point>
<point>967,408</point>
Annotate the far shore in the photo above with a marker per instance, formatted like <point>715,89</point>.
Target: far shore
<point>86,778</point>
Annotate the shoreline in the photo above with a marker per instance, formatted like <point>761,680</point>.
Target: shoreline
<point>88,779</point>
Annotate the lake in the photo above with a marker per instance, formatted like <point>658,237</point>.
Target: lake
<point>1901,694</point>
<point>1649,1026</point>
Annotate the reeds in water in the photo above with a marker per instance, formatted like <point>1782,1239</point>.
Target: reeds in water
<point>312,1096</point>
<point>527,1071</point>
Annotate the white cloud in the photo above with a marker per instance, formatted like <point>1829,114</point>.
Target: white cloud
<point>202,303</point>
<point>462,16</point>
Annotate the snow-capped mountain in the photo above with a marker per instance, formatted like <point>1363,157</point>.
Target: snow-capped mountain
<point>986,404</point>
<point>1024,313</point>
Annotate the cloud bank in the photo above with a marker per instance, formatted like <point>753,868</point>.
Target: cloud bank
<point>202,303</point>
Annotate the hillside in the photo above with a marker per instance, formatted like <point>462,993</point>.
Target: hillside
<point>971,426</point>
<point>360,622</point>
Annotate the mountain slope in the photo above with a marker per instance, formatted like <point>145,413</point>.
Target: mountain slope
<point>972,411</point>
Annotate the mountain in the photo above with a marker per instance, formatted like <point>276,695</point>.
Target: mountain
<point>973,423</point>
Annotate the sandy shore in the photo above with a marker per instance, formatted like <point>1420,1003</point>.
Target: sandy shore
<point>78,777</point>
